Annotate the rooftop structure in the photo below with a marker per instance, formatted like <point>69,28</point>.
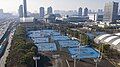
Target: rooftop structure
<point>27,19</point>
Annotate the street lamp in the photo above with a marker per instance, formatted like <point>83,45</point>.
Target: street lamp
<point>36,58</point>
<point>96,62</point>
<point>74,62</point>
<point>56,59</point>
<point>77,55</point>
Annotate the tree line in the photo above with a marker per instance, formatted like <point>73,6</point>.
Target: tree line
<point>22,51</point>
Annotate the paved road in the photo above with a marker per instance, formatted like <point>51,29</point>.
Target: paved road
<point>3,58</point>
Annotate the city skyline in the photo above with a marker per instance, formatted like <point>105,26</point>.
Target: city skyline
<point>33,6</point>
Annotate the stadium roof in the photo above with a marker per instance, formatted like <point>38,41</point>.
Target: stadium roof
<point>111,39</point>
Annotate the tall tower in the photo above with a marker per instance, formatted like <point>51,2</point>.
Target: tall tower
<point>80,11</point>
<point>24,8</point>
<point>110,11</point>
<point>42,12</point>
<point>49,10</point>
<point>86,11</point>
<point>20,11</point>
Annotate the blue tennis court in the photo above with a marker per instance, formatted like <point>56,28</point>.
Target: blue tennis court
<point>46,47</point>
<point>55,34</point>
<point>51,32</point>
<point>83,52</point>
<point>69,43</point>
<point>40,40</point>
<point>43,33</point>
<point>60,38</point>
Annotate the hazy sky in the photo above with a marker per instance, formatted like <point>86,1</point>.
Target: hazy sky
<point>33,5</point>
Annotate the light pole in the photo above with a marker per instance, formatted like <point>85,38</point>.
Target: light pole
<point>56,59</point>
<point>78,54</point>
<point>96,62</point>
<point>75,62</point>
<point>36,58</point>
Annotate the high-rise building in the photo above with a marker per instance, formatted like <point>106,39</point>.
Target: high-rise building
<point>65,13</point>
<point>49,10</point>
<point>100,11</point>
<point>110,11</point>
<point>24,8</point>
<point>42,12</point>
<point>86,11</point>
<point>100,15</point>
<point>1,11</point>
<point>119,11</point>
<point>80,11</point>
<point>20,11</point>
<point>90,11</point>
